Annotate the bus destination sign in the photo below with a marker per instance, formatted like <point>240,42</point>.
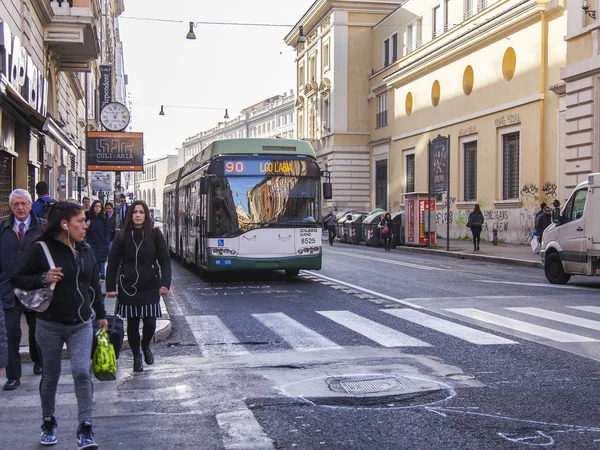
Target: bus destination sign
<point>264,167</point>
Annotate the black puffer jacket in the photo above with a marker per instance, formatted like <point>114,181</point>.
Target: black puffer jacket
<point>74,294</point>
<point>143,268</point>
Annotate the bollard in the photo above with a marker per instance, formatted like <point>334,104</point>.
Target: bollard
<point>495,236</point>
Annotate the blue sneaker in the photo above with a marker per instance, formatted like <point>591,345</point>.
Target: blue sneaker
<point>85,437</point>
<point>48,431</point>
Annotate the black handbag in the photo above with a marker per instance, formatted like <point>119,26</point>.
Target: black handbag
<point>116,331</point>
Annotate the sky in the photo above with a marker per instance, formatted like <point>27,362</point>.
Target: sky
<point>226,67</point>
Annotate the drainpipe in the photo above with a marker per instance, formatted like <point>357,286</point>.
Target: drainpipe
<point>542,5</point>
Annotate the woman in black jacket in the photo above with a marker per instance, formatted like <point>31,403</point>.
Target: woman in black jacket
<point>386,229</point>
<point>77,302</point>
<point>97,235</point>
<point>475,223</point>
<point>140,255</point>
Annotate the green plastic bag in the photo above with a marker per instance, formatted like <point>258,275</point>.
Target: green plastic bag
<point>104,360</point>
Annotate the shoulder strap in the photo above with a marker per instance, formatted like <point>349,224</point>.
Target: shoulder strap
<point>49,258</point>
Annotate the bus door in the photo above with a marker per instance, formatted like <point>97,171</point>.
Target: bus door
<point>203,211</point>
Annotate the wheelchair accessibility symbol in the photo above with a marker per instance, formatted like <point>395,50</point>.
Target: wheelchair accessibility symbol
<point>221,242</point>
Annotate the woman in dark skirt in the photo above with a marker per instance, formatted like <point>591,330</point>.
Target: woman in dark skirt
<point>97,235</point>
<point>140,257</point>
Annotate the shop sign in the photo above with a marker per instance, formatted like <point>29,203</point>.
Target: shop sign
<point>23,75</point>
<point>105,88</point>
<point>118,151</point>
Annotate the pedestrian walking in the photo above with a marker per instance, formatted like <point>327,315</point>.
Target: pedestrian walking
<point>141,258</point>
<point>111,219</point>
<point>555,215</point>
<point>386,230</point>
<point>121,213</point>
<point>475,223</point>
<point>44,199</point>
<point>3,345</point>
<point>98,235</point>
<point>17,232</point>
<point>330,222</point>
<point>538,214</point>
<point>77,302</point>
<point>542,223</point>
<point>85,203</point>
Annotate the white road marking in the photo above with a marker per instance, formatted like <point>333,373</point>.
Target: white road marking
<point>385,336</point>
<point>592,309</point>
<point>546,285</point>
<point>479,297</point>
<point>559,317</point>
<point>298,336</point>
<point>361,289</point>
<point>517,325</point>
<point>241,430</point>
<point>213,336</point>
<point>445,326</point>
<point>389,261</point>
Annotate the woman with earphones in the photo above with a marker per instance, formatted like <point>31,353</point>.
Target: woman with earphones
<point>139,267</point>
<point>77,302</point>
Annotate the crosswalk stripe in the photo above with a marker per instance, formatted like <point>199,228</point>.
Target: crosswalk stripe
<point>298,336</point>
<point>591,309</point>
<point>517,325</point>
<point>385,336</point>
<point>559,317</point>
<point>213,336</point>
<point>445,326</point>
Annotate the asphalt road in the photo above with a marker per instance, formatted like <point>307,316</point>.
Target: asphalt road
<point>376,351</point>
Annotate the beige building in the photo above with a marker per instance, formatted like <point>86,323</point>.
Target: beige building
<point>150,183</point>
<point>483,73</point>
<point>580,107</point>
<point>50,52</point>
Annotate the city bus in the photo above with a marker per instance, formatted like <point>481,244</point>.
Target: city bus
<point>247,204</point>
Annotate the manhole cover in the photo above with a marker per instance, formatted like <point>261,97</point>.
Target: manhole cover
<point>371,386</point>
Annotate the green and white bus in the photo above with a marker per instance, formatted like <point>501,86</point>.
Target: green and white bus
<point>247,204</point>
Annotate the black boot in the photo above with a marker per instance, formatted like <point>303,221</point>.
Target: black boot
<point>138,365</point>
<point>148,356</point>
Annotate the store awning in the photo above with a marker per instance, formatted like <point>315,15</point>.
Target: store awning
<point>55,131</point>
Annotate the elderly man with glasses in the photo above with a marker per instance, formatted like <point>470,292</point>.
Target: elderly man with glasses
<point>17,232</point>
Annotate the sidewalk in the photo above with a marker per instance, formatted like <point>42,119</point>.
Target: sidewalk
<point>163,329</point>
<point>519,255</point>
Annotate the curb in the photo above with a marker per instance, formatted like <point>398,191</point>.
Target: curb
<point>163,331</point>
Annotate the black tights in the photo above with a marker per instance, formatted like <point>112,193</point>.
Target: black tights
<point>133,332</point>
<point>476,236</point>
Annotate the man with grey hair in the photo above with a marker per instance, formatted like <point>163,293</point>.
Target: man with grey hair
<point>17,232</point>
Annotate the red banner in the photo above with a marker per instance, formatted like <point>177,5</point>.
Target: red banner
<point>411,221</point>
<point>423,218</point>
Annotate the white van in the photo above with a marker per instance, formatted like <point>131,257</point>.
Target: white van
<point>571,245</point>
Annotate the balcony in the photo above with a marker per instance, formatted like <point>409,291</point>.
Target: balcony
<point>71,31</point>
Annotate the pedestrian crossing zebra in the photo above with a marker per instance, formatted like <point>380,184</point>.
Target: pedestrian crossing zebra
<point>215,338</point>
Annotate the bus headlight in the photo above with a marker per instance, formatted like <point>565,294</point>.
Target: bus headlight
<point>309,251</point>
<point>222,251</point>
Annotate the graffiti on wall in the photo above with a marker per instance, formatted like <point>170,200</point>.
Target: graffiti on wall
<point>549,190</point>
<point>530,194</point>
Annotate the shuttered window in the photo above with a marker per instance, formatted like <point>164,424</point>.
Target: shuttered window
<point>381,184</point>
<point>470,170</point>
<point>410,173</point>
<point>510,166</point>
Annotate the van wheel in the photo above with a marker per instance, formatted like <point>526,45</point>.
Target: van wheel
<point>554,271</point>
<point>291,273</point>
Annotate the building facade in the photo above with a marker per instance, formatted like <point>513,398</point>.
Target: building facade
<point>270,118</point>
<point>481,73</point>
<point>50,52</point>
<point>150,183</point>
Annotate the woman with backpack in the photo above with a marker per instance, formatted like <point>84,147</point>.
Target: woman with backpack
<point>98,235</point>
<point>386,230</point>
<point>475,223</point>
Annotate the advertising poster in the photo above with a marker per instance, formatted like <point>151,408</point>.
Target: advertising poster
<point>102,181</point>
<point>116,151</point>
<point>105,86</point>
<point>438,165</point>
<point>411,221</point>
<point>423,220</point>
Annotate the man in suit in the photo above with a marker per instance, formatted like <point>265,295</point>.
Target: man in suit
<point>17,232</point>
<point>121,212</point>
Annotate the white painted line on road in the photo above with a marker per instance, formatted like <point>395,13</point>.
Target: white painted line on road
<point>478,297</point>
<point>389,261</point>
<point>242,430</point>
<point>445,326</point>
<point>385,336</point>
<point>298,336</point>
<point>546,285</point>
<point>367,291</point>
<point>592,309</point>
<point>558,317</point>
<point>517,325</point>
<point>213,337</point>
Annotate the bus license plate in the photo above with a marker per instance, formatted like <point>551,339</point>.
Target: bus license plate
<point>223,262</point>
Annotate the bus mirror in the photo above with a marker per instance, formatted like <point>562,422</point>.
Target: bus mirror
<point>204,183</point>
<point>327,191</point>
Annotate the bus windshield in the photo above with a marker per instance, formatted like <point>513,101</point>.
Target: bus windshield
<point>242,203</point>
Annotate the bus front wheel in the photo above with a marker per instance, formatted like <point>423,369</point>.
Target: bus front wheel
<point>290,273</point>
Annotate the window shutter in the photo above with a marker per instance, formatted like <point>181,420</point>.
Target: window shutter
<point>410,173</point>
<point>395,48</point>
<point>510,166</point>
<point>470,170</point>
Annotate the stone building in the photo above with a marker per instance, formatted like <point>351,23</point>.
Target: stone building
<point>149,184</point>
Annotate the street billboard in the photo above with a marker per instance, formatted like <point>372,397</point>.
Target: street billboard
<point>116,151</point>
<point>438,165</point>
<point>102,181</point>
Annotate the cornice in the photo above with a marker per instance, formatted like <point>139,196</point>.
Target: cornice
<point>43,11</point>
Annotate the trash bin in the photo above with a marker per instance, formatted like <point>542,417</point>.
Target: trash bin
<point>398,219</point>
<point>353,227</point>
<point>371,234</point>
<point>341,229</point>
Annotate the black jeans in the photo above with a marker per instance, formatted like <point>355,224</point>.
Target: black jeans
<point>476,230</point>
<point>387,242</point>
<point>332,234</point>
<point>12,317</point>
